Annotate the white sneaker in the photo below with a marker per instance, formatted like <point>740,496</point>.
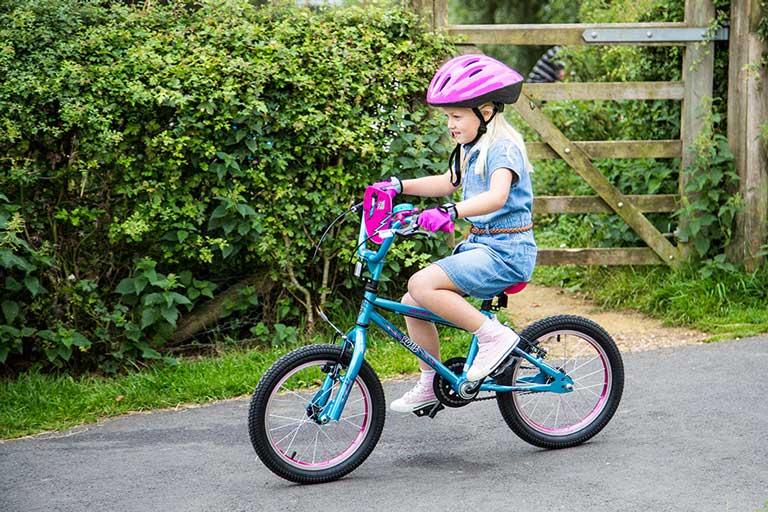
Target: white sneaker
<point>420,396</point>
<point>492,352</point>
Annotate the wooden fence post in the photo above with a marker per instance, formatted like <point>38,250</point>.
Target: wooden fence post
<point>441,14</point>
<point>425,9</point>
<point>698,73</point>
<point>435,12</point>
<point>747,109</point>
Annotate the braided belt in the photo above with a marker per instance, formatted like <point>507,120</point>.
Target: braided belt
<point>496,231</point>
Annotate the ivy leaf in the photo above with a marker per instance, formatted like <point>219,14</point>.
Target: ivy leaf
<point>125,287</point>
<point>152,299</point>
<point>12,284</point>
<point>220,211</point>
<point>179,298</point>
<point>148,317</point>
<point>170,315</point>
<point>245,210</point>
<point>243,228</point>
<point>10,310</point>
<point>185,277</point>
<point>148,352</point>
<point>33,285</point>
<point>702,245</point>
<point>139,284</point>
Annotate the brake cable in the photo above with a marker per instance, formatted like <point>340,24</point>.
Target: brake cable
<point>353,208</point>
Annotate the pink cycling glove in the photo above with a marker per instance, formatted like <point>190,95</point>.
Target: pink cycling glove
<point>435,219</point>
<point>392,186</point>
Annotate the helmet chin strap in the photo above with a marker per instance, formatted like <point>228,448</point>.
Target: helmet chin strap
<point>454,161</point>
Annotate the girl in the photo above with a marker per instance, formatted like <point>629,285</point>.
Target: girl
<point>491,164</point>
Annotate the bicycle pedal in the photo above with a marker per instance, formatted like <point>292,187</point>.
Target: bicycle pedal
<point>429,410</point>
<point>504,366</point>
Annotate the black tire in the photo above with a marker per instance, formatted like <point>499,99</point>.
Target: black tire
<point>517,408</point>
<point>289,464</point>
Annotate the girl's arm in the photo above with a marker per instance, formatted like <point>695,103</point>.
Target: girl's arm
<point>490,201</point>
<point>430,186</point>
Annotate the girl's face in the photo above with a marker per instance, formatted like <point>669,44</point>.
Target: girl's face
<point>462,124</point>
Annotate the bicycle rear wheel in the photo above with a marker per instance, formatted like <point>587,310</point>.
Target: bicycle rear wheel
<point>288,399</point>
<point>585,352</point>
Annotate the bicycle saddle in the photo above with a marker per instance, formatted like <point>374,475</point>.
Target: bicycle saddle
<point>515,288</point>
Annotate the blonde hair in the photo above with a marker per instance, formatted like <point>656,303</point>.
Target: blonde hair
<point>499,129</point>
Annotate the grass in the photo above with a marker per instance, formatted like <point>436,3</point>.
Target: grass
<point>36,402</point>
<point>727,304</point>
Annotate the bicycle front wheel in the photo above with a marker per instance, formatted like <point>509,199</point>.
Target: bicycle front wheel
<point>286,403</point>
<point>585,352</point>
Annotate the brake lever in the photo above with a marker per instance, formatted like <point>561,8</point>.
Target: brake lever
<point>413,231</point>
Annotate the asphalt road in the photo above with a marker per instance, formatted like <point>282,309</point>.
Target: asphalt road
<point>691,434</point>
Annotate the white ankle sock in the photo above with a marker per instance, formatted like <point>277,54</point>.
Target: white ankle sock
<point>489,327</point>
<point>426,377</point>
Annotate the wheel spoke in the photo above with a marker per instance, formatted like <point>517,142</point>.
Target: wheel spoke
<point>569,404</point>
<point>599,385</point>
<point>286,425</point>
<point>294,432</point>
<point>599,370</point>
<point>580,366</point>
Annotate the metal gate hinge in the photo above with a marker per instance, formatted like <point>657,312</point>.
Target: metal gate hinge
<point>653,35</point>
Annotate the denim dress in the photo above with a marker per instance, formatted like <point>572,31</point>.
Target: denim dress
<point>484,265</point>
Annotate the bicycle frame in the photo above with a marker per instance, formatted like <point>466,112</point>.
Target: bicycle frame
<point>549,379</point>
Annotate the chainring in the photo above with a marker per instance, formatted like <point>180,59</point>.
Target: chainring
<point>443,390</point>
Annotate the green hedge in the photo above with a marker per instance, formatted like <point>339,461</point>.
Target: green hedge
<point>151,158</point>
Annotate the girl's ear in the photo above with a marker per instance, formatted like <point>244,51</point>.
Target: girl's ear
<point>487,111</point>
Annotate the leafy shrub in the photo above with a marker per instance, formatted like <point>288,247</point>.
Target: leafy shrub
<point>148,155</point>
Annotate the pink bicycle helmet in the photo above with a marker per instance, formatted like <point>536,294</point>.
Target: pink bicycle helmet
<point>472,80</point>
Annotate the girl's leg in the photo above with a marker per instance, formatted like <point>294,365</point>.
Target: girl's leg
<point>425,334</point>
<point>433,289</point>
<point>422,332</point>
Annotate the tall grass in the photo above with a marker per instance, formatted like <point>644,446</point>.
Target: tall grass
<point>726,303</point>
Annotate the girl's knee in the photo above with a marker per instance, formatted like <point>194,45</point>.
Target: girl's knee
<point>418,285</point>
<point>408,300</point>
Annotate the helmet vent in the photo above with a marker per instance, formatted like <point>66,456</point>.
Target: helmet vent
<point>474,72</point>
<point>445,82</point>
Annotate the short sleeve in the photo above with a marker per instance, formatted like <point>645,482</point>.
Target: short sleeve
<point>505,154</point>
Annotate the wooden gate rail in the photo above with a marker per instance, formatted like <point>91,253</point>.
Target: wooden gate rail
<point>595,204</point>
<point>554,34</point>
<point>612,149</point>
<point>606,91</point>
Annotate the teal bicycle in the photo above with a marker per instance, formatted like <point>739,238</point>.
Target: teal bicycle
<point>318,412</point>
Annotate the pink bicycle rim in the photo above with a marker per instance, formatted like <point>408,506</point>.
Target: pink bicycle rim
<point>354,444</point>
<point>597,408</point>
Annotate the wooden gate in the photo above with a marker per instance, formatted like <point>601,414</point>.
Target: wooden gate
<point>694,91</point>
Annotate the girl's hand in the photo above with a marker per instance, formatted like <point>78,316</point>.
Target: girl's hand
<point>435,219</point>
<point>392,186</point>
